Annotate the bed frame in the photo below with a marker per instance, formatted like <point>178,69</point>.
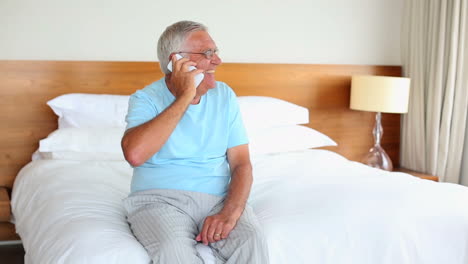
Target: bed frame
<point>26,86</point>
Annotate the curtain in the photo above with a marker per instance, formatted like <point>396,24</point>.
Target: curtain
<point>435,56</point>
<point>464,168</point>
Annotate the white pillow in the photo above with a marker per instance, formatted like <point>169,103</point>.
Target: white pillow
<point>90,110</point>
<point>83,144</point>
<point>103,110</point>
<point>260,112</point>
<point>104,144</point>
<point>286,139</point>
<point>79,156</point>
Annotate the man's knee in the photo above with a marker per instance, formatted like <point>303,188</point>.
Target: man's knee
<point>243,237</point>
<point>174,250</point>
<point>254,237</point>
<point>177,244</point>
<point>247,245</point>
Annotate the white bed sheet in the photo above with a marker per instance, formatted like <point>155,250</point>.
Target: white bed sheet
<point>315,207</point>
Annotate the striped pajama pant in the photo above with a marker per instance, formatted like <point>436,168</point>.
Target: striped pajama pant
<point>166,223</point>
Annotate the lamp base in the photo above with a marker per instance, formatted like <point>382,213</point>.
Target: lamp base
<point>378,158</point>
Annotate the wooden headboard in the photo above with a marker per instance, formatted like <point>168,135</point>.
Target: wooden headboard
<point>26,86</point>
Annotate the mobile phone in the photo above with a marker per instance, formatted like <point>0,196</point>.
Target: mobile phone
<point>198,78</point>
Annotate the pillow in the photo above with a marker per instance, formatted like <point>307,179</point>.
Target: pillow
<point>104,144</point>
<point>79,156</point>
<point>260,112</point>
<point>286,139</point>
<point>83,144</point>
<point>104,110</point>
<point>90,110</point>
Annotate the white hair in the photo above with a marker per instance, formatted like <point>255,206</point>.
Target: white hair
<point>172,39</point>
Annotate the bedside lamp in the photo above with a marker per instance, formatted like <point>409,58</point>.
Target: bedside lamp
<point>379,94</point>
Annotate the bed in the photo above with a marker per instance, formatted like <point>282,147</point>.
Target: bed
<point>316,203</point>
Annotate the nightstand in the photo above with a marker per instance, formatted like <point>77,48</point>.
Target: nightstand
<point>7,229</point>
<point>418,174</point>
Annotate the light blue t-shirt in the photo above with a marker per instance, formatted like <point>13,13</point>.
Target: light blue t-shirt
<point>194,157</point>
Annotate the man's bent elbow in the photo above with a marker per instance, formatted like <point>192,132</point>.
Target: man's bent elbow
<point>133,160</point>
<point>131,155</point>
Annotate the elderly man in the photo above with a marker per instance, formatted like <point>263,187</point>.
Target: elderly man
<point>192,172</point>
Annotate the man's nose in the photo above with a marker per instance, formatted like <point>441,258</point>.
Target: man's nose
<point>216,59</point>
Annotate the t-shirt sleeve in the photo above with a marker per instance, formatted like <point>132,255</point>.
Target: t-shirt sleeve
<point>237,133</point>
<point>140,109</point>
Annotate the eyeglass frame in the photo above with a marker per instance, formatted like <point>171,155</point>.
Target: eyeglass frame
<point>206,53</point>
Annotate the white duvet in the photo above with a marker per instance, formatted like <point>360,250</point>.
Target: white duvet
<point>315,207</point>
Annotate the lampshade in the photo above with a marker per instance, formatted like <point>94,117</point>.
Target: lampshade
<point>380,94</point>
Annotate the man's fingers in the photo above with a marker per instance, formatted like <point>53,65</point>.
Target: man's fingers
<point>186,66</point>
<point>226,230</point>
<point>197,71</point>
<point>178,64</point>
<point>214,230</point>
<point>204,232</point>
<point>218,234</point>
<point>211,231</point>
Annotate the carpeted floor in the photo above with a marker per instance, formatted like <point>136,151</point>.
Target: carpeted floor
<point>12,254</point>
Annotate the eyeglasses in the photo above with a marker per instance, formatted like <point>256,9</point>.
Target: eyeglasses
<point>208,54</point>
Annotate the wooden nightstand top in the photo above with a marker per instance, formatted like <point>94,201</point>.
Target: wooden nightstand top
<point>418,174</point>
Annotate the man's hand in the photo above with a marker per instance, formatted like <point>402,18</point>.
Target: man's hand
<point>182,80</point>
<point>216,227</point>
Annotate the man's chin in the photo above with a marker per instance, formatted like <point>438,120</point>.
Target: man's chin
<point>207,84</point>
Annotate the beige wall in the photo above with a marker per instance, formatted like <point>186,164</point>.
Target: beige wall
<point>271,31</point>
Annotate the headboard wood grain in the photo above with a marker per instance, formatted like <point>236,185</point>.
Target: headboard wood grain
<point>26,86</point>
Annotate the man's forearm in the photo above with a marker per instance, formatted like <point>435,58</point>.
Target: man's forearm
<point>239,190</point>
<point>142,142</point>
